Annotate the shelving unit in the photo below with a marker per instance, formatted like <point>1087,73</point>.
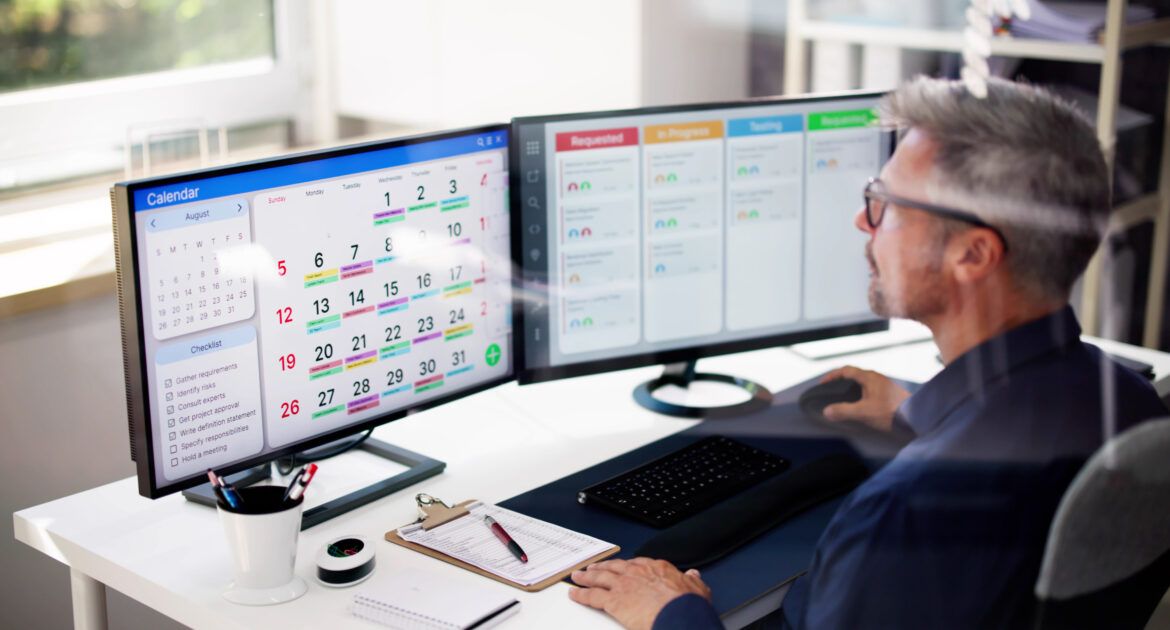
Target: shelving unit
<point>1117,38</point>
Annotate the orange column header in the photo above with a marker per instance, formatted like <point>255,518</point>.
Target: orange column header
<point>683,132</point>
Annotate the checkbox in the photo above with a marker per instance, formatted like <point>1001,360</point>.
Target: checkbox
<point>171,436</point>
<point>170,396</point>
<point>174,462</point>
<point>171,423</point>
<point>167,383</point>
<point>170,409</point>
<point>174,449</point>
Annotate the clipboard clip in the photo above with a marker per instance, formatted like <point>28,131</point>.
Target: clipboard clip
<point>433,511</point>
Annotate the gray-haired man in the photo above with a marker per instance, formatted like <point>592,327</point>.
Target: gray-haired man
<point>978,227</point>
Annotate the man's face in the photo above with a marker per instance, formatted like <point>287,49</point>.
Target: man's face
<point>905,251</point>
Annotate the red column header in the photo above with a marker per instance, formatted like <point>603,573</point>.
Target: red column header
<point>599,139</point>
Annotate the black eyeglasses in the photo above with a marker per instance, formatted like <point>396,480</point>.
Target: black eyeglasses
<point>877,199</point>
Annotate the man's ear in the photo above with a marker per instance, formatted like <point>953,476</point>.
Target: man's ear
<point>976,254</point>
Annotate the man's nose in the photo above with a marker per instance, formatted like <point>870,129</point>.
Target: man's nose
<point>860,222</point>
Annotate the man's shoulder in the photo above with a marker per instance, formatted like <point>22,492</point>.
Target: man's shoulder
<point>1078,382</point>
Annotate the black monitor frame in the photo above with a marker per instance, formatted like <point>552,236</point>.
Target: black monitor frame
<point>527,374</point>
<point>133,333</point>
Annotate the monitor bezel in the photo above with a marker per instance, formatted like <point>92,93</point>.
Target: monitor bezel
<point>527,374</point>
<point>133,332</point>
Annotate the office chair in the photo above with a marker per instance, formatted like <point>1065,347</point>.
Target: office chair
<point>1107,561</point>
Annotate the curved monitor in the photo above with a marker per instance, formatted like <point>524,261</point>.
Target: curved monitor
<point>667,234</point>
<point>274,306</point>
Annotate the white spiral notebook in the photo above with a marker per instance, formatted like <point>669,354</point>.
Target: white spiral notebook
<point>414,600</point>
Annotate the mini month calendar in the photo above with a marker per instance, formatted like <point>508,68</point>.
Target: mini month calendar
<point>197,268</point>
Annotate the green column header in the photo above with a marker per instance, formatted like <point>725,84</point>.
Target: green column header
<point>842,119</point>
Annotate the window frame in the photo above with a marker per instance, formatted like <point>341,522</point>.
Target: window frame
<point>91,114</point>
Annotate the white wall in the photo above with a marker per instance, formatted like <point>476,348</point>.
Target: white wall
<point>459,62</point>
<point>445,63</point>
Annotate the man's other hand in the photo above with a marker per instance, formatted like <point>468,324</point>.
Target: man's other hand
<point>634,591</point>
<point>880,398</point>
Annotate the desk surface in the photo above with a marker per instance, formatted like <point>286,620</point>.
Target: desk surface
<point>171,555</point>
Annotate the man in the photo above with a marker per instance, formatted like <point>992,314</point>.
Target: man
<point>978,226</point>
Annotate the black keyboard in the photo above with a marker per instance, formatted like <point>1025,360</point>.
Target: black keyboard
<point>685,482</point>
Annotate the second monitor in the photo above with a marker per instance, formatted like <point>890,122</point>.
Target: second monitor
<point>663,235</point>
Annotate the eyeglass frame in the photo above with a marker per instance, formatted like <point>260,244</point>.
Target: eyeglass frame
<point>886,198</point>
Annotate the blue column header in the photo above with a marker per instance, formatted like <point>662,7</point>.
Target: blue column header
<point>765,125</point>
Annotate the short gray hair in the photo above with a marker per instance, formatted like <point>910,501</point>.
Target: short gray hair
<point>1022,159</point>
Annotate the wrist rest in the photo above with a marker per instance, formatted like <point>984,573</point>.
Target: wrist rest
<point>723,528</point>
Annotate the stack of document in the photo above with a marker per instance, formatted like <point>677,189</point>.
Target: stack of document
<point>1070,21</point>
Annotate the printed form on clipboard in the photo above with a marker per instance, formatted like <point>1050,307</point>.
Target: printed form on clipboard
<point>553,551</point>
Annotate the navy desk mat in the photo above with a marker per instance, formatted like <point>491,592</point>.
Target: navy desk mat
<point>761,565</point>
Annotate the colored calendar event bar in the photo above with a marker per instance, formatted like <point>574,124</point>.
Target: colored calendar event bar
<point>314,170</point>
<point>326,412</point>
<point>395,350</point>
<point>427,384</point>
<point>359,311</point>
<point>425,294</point>
<point>455,203</point>
<point>389,216</point>
<point>357,269</point>
<point>358,360</point>
<point>393,306</point>
<point>457,289</point>
<point>323,324</point>
<point>462,370</point>
<point>684,132</point>
<point>362,404</point>
<point>457,332</point>
<point>397,390</point>
<point>325,369</point>
<point>424,338</point>
<point>318,278</point>
<point>599,139</point>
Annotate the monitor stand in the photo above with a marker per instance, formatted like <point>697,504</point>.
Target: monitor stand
<point>420,467</point>
<point>682,375</point>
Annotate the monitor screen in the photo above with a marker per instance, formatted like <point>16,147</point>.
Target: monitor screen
<point>274,306</point>
<point>667,234</point>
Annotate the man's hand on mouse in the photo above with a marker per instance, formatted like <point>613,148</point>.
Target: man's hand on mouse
<point>880,398</point>
<point>634,591</point>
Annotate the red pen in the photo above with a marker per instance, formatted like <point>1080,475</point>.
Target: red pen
<point>506,539</point>
<point>301,482</point>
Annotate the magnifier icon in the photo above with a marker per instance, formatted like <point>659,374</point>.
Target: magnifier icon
<point>479,141</point>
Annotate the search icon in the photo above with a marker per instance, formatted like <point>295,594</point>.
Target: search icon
<point>479,141</point>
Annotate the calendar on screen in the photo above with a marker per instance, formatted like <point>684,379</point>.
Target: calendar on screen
<point>285,303</point>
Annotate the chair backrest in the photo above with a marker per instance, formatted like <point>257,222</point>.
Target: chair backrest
<point>1114,520</point>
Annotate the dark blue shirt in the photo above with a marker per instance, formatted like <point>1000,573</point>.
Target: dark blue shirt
<point>951,532</point>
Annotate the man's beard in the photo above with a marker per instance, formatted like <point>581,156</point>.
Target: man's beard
<point>923,294</point>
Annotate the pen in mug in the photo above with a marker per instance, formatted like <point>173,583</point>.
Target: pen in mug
<point>232,499</point>
<point>301,482</point>
<point>214,479</point>
<point>292,484</point>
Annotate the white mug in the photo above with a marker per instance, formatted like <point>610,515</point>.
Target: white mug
<point>262,535</point>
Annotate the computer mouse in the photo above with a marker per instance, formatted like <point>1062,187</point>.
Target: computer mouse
<point>814,400</point>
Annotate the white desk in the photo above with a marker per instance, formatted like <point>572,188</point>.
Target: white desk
<point>171,555</point>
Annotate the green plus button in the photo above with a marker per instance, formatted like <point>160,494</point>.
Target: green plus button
<point>492,356</point>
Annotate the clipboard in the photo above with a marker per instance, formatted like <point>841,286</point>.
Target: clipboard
<point>436,513</point>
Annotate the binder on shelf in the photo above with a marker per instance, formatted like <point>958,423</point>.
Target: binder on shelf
<point>453,533</point>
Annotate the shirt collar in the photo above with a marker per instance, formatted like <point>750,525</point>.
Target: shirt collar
<point>969,374</point>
